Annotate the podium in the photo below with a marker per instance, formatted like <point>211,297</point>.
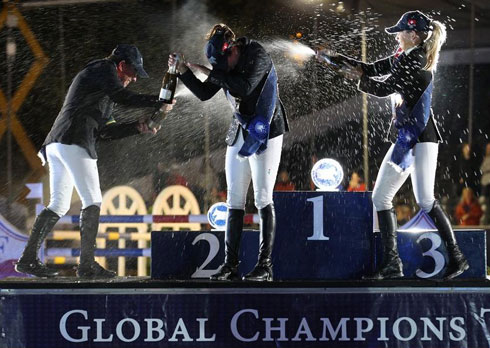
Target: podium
<point>319,236</point>
<point>313,230</point>
<point>424,254</point>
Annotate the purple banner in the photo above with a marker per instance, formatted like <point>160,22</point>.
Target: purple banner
<point>224,318</point>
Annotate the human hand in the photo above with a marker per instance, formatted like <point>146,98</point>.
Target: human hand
<point>143,127</point>
<point>351,72</point>
<point>165,108</point>
<point>178,60</point>
<point>328,57</point>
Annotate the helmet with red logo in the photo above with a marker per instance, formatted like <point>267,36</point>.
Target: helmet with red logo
<point>413,20</point>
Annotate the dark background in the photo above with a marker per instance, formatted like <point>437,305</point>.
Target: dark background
<point>72,35</point>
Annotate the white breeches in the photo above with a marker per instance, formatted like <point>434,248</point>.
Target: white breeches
<point>261,169</point>
<point>422,173</point>
<point>71,166</point>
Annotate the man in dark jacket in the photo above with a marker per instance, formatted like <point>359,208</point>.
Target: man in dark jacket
<point>244,70</point>
<point>69,149</point>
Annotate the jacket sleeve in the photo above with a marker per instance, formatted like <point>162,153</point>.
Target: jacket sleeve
<point>112,86</point>
<point>378,68</point>
<point>401,77</point>
<point>118,130</point>
<point>379,88</point>
<point>203,90</point>
<point>243,83</point>
<point>128,98</point>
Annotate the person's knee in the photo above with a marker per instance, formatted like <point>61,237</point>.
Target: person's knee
<point>262,199</point>
<point>381,202</point>
<point>426,204</point>
<point>235,201</point>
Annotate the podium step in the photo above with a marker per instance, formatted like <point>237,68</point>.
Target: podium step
<point>319,236</point>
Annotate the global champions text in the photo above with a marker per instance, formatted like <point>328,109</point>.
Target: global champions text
<point>265,329</point>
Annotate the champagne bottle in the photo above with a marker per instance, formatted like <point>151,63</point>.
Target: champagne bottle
<point>167,92</point>
<point>331,58</point>
<point>156,118</point>
<point>169,84</point>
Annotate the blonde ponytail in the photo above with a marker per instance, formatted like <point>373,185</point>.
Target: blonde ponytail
<point>433,45</point>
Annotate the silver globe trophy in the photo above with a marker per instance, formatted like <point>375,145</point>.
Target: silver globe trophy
<point>217,215</point>
<point>327,174</point>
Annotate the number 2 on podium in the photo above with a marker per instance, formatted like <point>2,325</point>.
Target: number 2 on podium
<point>213,251</point>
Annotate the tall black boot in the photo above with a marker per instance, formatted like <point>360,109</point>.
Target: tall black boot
<point>263,269</point>
<point>233,237</point>
<point>29,262</point>
<point>457,262</point>
<point>89,226</point>
<point>391,267</point>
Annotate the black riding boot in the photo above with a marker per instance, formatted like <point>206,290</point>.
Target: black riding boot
<point>263,269</point>
<point>89,226</point>
<point>392,265</point>
<point>457,262</point>
<point>29,262</point>
<point>233,236</point>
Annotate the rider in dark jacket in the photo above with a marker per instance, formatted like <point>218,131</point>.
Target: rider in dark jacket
<point>69,149</point>
<point>246,73</point>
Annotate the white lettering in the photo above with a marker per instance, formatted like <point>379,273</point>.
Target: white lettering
<point>136,329</point>
<point>269,328</point>
<point>180,329</point>
<point>361,330</point>
<point>304,329</point>
<point>459,329</point>
<point>150,329</point>
<point>333,333</point>
<point>483,311</point>
<point>317,219</point>
<point>437,331</point>
<point>99,337</point>
<point>382,329</point>
<point>439,261</point>
<point>274,329</point>
<point>84,329</point>
<point>234,329</point>
<point>202,331</point>
<point>396,328</point>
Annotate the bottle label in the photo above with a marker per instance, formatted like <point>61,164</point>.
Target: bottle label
<point>165,94</point>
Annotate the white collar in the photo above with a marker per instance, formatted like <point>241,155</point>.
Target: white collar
<point>407,52</point>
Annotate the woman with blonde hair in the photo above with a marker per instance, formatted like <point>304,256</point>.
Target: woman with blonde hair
<point>414,151</point>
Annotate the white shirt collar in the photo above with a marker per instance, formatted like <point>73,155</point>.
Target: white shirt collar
<point>407,52</point>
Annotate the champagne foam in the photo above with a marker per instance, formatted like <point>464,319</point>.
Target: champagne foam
<point>292,48</point>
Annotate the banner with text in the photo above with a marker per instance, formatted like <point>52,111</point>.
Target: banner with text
<point>224,318</point>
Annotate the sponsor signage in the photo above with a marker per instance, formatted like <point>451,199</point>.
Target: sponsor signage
<point>223,318</point>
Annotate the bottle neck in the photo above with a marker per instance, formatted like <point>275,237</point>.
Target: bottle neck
<point>173,69</point>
